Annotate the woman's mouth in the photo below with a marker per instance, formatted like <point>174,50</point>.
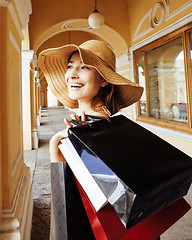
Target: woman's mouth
<point>76,85</point>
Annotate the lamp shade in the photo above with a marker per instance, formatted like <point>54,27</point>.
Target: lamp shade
<point>96,20</point>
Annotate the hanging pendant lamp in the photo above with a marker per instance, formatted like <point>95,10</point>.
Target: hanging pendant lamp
<point>96,19</point>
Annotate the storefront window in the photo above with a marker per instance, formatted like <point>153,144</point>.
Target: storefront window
<point>166,82</point>
<point>164,69</point>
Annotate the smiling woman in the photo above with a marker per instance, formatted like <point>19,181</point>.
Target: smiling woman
<point>96,54</point>
<point>82,77</point>
<point>84,83</point>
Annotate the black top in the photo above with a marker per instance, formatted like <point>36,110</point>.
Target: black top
<point>94,118</point>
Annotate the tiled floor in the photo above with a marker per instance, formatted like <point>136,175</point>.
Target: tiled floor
<point>38,160</point>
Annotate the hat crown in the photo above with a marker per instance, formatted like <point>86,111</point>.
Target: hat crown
<point>102,50</point>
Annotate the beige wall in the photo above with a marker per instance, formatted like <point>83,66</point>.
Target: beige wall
<point>142,15</point>
<point>15,185</point>
<point>183,145</point>
<point>11,123</point>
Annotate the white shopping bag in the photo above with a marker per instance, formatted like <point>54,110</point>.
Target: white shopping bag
<point>94,193</point>
<point>100,183</point>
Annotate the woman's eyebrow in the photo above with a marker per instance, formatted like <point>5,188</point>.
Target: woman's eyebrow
<point>70,61</point>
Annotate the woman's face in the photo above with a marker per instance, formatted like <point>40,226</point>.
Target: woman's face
<point>82,80</point>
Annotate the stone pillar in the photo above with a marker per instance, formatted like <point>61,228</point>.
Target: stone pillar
<point>27,57</point>
<point>46,92</point>
<point>34,125</point>
<point>43,92</point>
<point>16,201</point>
<point>37,92</point>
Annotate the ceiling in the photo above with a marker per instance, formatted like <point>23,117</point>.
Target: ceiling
<point>59,22</point>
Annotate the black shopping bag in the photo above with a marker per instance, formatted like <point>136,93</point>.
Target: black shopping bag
<point>69,218</point>
<point>158,173</point>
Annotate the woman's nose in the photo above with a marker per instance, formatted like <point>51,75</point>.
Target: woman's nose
<point>74,73</point>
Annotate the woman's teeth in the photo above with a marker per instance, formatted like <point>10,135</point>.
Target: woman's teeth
<point>76,85</point>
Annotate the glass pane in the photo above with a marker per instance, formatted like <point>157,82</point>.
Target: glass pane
<point>141,78</point>
<point>190,40</point>
<point>166,82</point>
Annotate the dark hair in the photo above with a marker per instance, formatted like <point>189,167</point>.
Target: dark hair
<point>107,96</point>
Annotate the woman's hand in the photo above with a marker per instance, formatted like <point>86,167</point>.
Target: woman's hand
<point>79,118</point>
<point>55,153</point>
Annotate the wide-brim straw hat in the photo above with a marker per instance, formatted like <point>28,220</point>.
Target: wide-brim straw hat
<point>54,63</point>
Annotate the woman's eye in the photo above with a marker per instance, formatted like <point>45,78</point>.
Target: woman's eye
<point>85,67</point>
<point>69,67</point>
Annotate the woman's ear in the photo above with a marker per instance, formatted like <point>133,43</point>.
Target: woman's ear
<point>104,83</point>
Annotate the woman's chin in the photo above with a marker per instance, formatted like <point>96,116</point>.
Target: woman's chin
<point>74,96</point>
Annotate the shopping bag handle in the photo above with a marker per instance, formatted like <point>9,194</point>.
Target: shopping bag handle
<point>75,122</point>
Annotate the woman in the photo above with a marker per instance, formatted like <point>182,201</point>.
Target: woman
<point>84,78</point>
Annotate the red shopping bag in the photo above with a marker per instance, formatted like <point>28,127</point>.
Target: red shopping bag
<point>106,225</point>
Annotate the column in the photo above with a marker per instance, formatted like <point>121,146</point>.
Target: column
<point>27,57</point>
<point>34,125</point>
<point>37,92</point>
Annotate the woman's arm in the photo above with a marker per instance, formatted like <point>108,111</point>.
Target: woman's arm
<point>55,153</point>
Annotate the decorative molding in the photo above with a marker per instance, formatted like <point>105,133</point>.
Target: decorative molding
<point>152,19</point>
<point>103,33</point>
<point>155,20</point>
<point>180,23</point>
<point>124,71</point>
<point>122,60</point>
<point>27,55</point>
<point>15,20</point>
<point>34,61</point>
<point>30,57</point>
<point>16,221</point>
<point>12,39</point>
<point>24,9</point>
<point>177,11</point>
<point>66,25</point>
<point>19,153</point>
<point>147,15</point>
<point>4,3</point>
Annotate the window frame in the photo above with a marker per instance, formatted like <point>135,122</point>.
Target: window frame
<point>184,33</point>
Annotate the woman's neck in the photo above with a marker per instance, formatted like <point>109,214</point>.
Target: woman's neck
<point>89,110</point>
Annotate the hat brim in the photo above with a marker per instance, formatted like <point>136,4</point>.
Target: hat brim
<point>54,62</point>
